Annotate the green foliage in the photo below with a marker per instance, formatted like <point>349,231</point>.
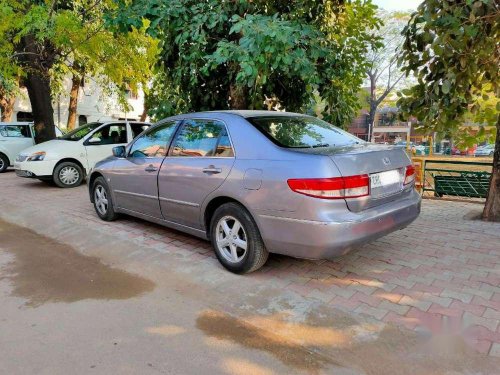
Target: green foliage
<point>452,49</point>
<point>285,50</point>
<point>80,42</point>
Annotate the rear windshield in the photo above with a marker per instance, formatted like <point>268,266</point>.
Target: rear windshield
<point>81,132</point>
<point>302,132</point>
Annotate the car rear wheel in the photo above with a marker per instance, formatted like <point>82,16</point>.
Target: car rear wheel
<point>236,239</point>
<point>68,175</point>
<point>4,163</point>
<point>103,203</point>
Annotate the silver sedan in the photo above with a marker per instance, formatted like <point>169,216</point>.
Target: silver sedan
<point>259,182</point>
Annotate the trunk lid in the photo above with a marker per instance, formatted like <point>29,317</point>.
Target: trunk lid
<point>384,164</point>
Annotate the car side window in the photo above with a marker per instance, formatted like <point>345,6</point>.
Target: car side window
<point>154,143</point>
<point>137,128</point>
<point>109,135</point>
<point>202,138</point>
<point>15,131</point>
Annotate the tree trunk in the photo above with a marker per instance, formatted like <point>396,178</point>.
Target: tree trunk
<point>492,207</point>
<point>373,106</point>
<point>37,59</point>
<point>41,105</point>
<point>73,101</point>
<point>7,105</point>
<point>238,97</point>
<point>144,114</point>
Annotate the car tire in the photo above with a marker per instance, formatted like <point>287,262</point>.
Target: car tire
<point>242,251</point>
<point>4,163</point>
<point>104,209</point>
<point>68,175</point>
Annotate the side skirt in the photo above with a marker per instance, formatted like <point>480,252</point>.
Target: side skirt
<point>182,228</point>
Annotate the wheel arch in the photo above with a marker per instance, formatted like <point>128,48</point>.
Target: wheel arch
<point>93,176</point>
<point>9,162</point>
<point>71,160</point>
<point>215,203</point>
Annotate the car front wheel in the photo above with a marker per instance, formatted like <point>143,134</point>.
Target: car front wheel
<point>4,163</point>
<point>68,175</point>
<point>103,203</point>
<point>236,239</point>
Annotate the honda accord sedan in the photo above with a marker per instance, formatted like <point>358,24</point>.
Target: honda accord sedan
<point>259,182</point>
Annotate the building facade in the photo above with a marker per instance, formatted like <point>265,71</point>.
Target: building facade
<point>387,127</point>
<point>94,104</point>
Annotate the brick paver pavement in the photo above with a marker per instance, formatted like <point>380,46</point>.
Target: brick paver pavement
<point>440,275</point>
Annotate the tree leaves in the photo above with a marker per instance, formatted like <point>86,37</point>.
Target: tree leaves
<point>284,50</point>
<point>458,79</point>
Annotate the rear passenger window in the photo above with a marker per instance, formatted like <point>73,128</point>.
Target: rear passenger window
<point>15,131</point>
<point>202,138</point>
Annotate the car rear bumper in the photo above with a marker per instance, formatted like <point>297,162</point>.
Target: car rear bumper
<point>324,240</point>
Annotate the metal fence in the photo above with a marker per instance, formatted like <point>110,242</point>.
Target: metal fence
<point>455,178</point>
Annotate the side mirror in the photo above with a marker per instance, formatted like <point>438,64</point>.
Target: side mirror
<point>119,151</point>
<point>94,140</point>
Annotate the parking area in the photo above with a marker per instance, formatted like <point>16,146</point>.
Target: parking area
<point>438,279</point>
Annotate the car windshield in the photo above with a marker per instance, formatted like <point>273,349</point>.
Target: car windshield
<point>81,132</point>
<point>302,132</point>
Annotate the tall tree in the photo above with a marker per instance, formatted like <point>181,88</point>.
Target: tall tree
<point>234,54</point>
<point>48,40</point>
<point>8,92</point>
<point>384,75</point>
<point>120,60</point>
<point>452,48</point>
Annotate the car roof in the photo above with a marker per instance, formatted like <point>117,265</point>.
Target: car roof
<point>247,113</point>
<point>122,122</point>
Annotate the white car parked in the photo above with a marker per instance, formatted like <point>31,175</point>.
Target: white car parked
<point>14,138</point>
<point>67,160</point>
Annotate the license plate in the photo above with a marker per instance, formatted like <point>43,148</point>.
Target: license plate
<point>384,178</point>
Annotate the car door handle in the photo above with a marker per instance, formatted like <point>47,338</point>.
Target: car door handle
<point>212,170</point>
<point>151,168</point>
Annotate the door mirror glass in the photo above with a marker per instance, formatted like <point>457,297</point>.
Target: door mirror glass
<point>119,151</point>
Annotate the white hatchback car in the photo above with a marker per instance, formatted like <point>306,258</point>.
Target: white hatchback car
<point>67,160</point>
<point>14,138</point>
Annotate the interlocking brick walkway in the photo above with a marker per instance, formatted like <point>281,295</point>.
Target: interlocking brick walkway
<point>440,275</point>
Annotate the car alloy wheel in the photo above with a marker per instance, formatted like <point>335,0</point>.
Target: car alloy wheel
<point>231,239</point>
<point>101,199</point>
<point>69,175</point>
<point>2,164</point>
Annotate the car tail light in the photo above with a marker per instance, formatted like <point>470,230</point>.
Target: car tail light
<point>409,174</point>
<point>332,188</point>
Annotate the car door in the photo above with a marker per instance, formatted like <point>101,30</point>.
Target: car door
<point>200,159</point>
<point>135,178</point>
<point>99,145</point>
<point>15,138</point>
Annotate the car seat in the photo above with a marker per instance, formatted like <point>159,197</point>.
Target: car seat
<point>123,136</point>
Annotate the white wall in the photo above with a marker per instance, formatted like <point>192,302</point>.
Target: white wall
<point>92,102</point>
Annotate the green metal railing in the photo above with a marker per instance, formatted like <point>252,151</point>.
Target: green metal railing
<point>454,178</point>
